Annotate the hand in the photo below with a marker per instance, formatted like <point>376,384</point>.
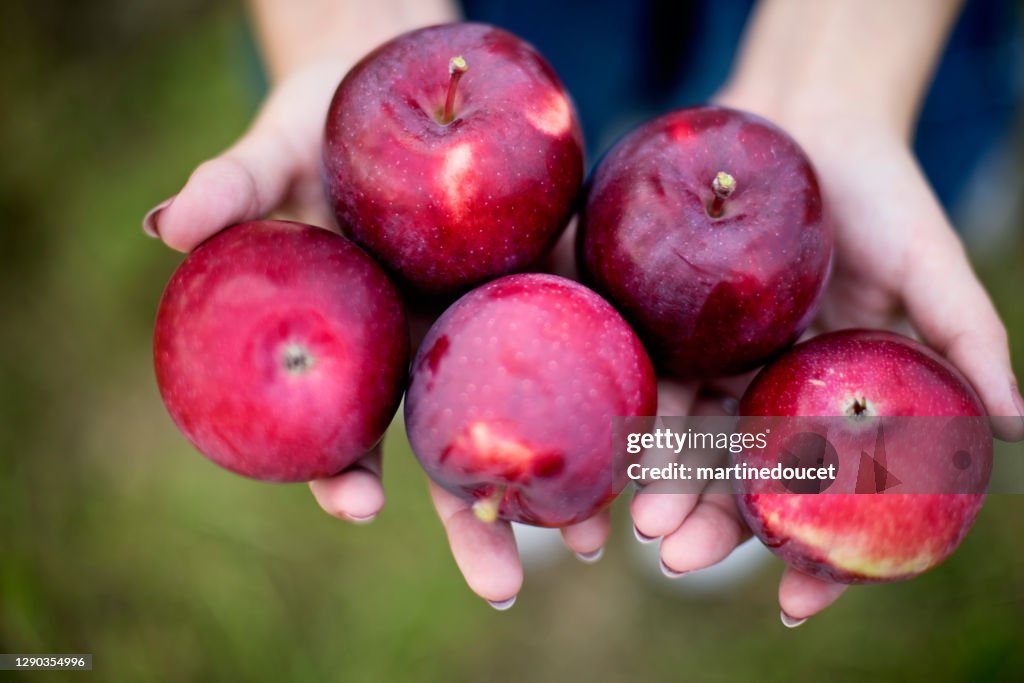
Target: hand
<point>274,169</point>
<point>700,530</point>
<point>896,253</point>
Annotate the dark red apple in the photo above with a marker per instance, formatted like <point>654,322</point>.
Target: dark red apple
<point>454,155</point>
<point>903,498</point>
<point>705,228</point>
<point>512,396</point>
<point>281,350</point>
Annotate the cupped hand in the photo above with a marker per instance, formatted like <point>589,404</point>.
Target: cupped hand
<point>698,530</point>
<point>274,169</point>
<point>898,263</point>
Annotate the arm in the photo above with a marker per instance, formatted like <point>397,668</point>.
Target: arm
<point>846,78</point>
<point>295,34</point>
<point>869,60</point>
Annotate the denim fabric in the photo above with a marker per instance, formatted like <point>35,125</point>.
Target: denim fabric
<point>624,61</point>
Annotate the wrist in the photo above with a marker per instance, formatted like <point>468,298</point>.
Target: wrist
<point>814,65</point>
<point>819,115</point>
<point>812,107</point>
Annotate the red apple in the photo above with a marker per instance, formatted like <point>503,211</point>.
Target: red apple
<point>281,350</point>
<point>512,396</point>
<point>454,155</point>
<point>903,499</point>
<point>705,228</point>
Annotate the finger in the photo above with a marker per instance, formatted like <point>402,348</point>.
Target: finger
<point>355,495</point>
<point>278,156</point>
<point>802,596</point>
<point>244,183</point>
<point>660,508</point>
<point>485,552</point>
<point>655,509</point>
<point>656,512</point>
<point>588,537</point>
<point>706,537</point>
<point>675,397</point>
<point>953,312</point>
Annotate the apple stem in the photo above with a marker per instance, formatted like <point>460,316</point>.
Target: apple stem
<point>723,186</point>
<point>486,509</point>
<point>456,67</point>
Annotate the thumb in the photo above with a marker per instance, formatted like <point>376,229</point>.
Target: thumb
<point>243,183</point>
<point>254,176</point>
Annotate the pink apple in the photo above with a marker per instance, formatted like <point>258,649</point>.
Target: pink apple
<point>706,229</point>
<point>512,397</point>
<point>281,350</point>
<point>925,476</point>
<point>453,154</point>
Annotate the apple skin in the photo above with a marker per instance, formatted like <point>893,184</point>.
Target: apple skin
<point>709,296</point>
<point>281,350</point>
<point>512,397</point>
<point>448,206</point>
<point>868,538</point>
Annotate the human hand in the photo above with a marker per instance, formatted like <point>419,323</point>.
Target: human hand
<point>896,254</point>
<point>898,261</point>
<point>272,168</point>
<point>698,530</point>
<point>275,169</point>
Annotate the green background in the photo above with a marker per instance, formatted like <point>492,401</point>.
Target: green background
<point>117,539</point>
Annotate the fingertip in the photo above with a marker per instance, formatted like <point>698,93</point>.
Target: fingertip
<point>591,557</point>
<point>709,534</point>
<point>790,621</point>
<point>503,605</point>
<point>802,596</point>
<point>150,222</point>
<point>485,552</point>
<point>587,538</point>
<point>494,593</point>
<point>487,556</point>
<point>219,193</point>
<point>1008,423</point>
<point>354,495</point>
<point>999,396</point>
<point>643,538</point>
<point>658,514</point>
<point>668,572</point>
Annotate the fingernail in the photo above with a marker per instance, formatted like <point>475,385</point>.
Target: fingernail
<point>790,622</point>
<point>640,537</point>
<point>502,605</point>
<point>361,520</point>
<point>669,572</point>
<point>591,557</point>
<point>149,224</point>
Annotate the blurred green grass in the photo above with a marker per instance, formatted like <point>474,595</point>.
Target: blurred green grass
<point>117,539</point>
